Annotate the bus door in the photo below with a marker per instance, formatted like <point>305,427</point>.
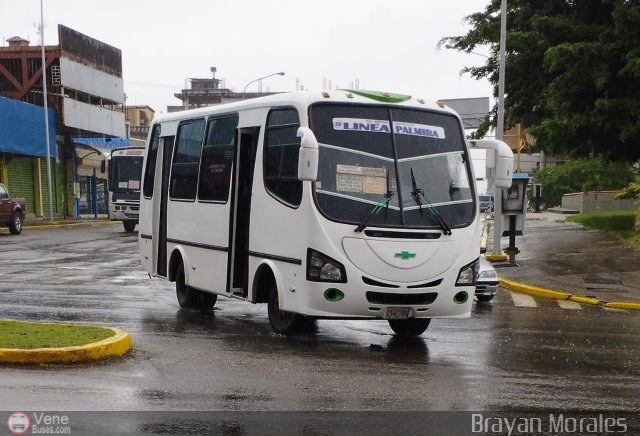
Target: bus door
<point>245,158</point>
<point>167,154</point>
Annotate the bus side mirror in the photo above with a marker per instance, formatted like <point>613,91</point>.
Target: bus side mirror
<point>500,158</point>
<point>103,166</point>
<point>308,155</point>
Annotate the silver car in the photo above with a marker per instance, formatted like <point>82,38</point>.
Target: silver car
<point>486,281</point>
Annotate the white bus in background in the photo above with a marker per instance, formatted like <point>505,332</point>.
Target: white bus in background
<point>125,173</point>
<point>336,204</point>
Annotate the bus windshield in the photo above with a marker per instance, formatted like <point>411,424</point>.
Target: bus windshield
<point>396,167</point>
<point>125,173</point>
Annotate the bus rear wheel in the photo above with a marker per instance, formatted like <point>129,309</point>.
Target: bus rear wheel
<point>409,328</point>
<point>281,321</point>
<point>187,296</point>
<point>207,300</point>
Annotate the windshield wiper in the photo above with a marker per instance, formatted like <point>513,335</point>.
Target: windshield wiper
<point>418,196</point>
<point>384,202</point>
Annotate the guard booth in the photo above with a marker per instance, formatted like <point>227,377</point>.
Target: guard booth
<point>514,209</point>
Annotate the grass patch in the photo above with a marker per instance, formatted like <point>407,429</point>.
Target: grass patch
<point>608,221</point>
<point>618,223</point>
<point>29,335</point>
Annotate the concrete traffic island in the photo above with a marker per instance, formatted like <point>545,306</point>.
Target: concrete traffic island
<point>114,342</point>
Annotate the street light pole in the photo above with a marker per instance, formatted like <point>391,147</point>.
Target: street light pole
<point>452,47</point>
<point>281,73</point>
<point>497,221</point>
<point>46,112</point>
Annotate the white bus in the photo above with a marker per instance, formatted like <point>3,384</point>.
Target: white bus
<point>125,173</point>
<point>336,204</point>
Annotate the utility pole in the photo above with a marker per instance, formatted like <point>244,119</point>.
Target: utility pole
<point>46,112</point>
<point>497,221</point>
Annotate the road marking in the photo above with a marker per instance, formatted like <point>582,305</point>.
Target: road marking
<point>523,300</point>
<point>571,305</point>
<point>614,309</point>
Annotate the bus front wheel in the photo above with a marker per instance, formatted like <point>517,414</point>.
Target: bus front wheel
<point>187,296</point>
<point>409,328</point>
<point>281,321</point>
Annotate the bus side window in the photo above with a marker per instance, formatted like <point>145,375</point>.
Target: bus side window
<point>152,156</point>
<point>281,148</point>
<point>217,159</point>
<point>186,160</point>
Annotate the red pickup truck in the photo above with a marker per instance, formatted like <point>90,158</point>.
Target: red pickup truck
<point>12,211</point>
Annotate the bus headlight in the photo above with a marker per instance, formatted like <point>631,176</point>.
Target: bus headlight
<point>321,268</point>
<point>467,274</point>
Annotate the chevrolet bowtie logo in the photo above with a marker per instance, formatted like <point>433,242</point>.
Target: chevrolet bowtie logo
<point>405,255</point>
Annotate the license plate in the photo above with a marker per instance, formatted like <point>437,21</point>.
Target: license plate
<point>397,313</point>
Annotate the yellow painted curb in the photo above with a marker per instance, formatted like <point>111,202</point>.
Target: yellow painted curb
<point>534,290</point>
<point>116,345</point>
<point>584,300</point>
<point>623,305</point>
<point>496,257</point>
<point>557,295</point>
<point>71,224</point>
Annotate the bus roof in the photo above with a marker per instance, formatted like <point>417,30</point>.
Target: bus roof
<point>307,98</point>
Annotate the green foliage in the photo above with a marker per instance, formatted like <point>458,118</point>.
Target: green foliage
<point>579,175</point>
<point>28,335</point>
<point>631,191</point>
<point>608,221</point>
<point>572,72</point>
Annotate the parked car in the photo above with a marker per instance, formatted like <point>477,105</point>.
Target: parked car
<point>12,211</point>
<point>486,281</point>
<point>486,203</point>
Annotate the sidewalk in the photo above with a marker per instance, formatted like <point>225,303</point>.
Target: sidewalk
<point>39,222</point>
<point>563,256</point>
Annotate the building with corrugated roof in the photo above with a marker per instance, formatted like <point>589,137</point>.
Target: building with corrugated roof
<point>85,89</point>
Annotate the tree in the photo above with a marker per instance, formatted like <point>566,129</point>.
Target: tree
<point>579,175</point>
<point>572,72</point>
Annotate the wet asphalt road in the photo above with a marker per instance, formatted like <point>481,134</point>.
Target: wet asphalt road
<point>506,357</point>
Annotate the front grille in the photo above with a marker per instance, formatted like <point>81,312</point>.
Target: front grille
<point>135,196</point>
<point>408,299</point>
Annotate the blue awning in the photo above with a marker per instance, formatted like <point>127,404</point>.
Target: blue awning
<point>22,129</point>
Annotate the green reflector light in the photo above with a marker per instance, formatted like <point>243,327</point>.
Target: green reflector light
<point>387,97</point>
<point>333,295</point>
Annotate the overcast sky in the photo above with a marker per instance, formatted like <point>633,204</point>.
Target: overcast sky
<point>386,45</point>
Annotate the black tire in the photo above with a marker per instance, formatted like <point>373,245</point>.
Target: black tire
<point>281,321</point>
<point>484,298</point>
<point>409,328</point>
<point>207,300</point>
<point>129,226</point>
<point>187,296</point>
<point>15,227</point>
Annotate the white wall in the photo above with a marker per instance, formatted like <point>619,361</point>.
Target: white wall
<point>95,82</point>
<point>93,118</point>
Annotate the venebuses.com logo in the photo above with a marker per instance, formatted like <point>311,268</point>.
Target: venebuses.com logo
<point>38,423</point>
<point>18,423</point>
